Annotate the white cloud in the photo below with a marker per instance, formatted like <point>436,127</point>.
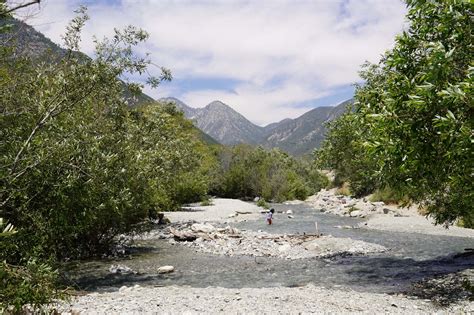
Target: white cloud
<point>315,46</point>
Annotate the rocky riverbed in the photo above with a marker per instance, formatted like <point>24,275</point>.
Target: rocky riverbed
<point>280,300</point>
<point>235,264</point>
<point>233,242</point>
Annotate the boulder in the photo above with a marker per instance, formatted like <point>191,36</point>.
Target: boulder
<point>289,211</point>
<point>290,216</point>
<point>165,269</point>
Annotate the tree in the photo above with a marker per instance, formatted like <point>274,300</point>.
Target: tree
<point>418,104</point>
<point>344,152</point>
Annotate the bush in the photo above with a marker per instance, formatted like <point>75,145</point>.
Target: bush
<point>389,196</point>
<point>206,202</point>
<point>262,203</point>
<point>34,284</point>
<point>344,190</point>
<point>247,172</point>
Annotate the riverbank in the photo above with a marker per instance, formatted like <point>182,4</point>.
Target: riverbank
<point>280,300</point>
<point>379,216</point>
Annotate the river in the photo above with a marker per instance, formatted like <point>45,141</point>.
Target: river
<point>410,258</point>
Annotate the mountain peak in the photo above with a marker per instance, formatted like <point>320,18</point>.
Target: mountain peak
<point>217,104</point>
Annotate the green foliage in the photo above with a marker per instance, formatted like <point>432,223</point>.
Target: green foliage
<point>413,119</point>
<point>33,284</point>
<point>344,189</point>
<point>248,172</point>
<point>418,104</point>
<point>344,151</point>
<point>389,196</point>
<point>262,203</point>
<point>78,165</point>
<point>206,202</point>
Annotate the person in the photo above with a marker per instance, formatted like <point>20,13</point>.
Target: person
<point>270,216</point>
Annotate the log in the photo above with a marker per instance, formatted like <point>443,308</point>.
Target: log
<point>243,212</point>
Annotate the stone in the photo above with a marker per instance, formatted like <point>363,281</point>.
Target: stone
<point>123,288</point>
<point>386,210</point>
<point>165,269</point>
<point>256,199</point>
<point>289,211</point>
<point>204,228</point>
<point>355,213</point>
<point>284,248</point>
<point>290,216</point>
<point>120,269</point>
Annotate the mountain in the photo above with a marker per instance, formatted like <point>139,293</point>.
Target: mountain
<point>301,135</point>
<point>297,136</point>
<point>221,122</point>
<point>30,43</point>
<point>188,111</point>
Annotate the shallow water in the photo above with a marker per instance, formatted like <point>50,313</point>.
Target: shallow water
<point>411,257</point>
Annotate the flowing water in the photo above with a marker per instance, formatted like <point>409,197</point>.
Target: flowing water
<point>411,257</point>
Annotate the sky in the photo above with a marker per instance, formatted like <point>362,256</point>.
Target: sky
<point>267,59</point>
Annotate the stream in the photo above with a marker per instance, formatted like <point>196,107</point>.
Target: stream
<point>411,257</point>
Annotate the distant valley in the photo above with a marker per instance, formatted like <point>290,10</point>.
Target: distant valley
<point>297,136</point>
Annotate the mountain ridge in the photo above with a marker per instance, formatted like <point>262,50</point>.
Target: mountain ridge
<point>298,136</point>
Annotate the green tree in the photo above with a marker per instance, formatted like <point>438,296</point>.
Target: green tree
<point>344,152</point>
<point>79,165</point>
<point>418,105</point>
<point>247,172</point>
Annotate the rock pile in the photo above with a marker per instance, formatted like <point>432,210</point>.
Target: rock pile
<point>328,201</point>
<point>232,242</point>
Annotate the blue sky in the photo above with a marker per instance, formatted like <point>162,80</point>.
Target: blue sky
<point>268,59</point>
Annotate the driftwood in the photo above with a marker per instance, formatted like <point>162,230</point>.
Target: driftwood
<point>183,236</point>
<point>243,212</point>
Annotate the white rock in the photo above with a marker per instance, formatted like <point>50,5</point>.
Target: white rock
<point>123,288</point>
<point>284,248</point>
<point>165,269</point>
<point>355,213</point>
<point>120,269</point>
<point>289,211</point>
<point>204,228</point>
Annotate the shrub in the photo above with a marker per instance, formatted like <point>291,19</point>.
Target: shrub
<point>262,203</point>
<point>34,284</point>
<point>388,195</point>
<point>206,202</point>
<point>344,190</point>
